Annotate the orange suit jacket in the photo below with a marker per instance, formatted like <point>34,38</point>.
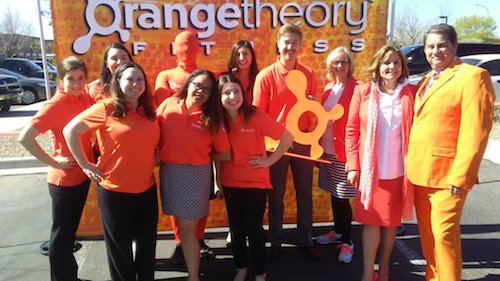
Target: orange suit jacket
<point>450,128</point>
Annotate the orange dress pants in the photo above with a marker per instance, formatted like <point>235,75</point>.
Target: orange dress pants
<point>200,229</point>
<point>438,215</point>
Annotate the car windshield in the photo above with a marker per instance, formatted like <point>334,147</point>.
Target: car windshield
<point>12,73</point>
<point>32,66</point>
<point>471,61</point>
<point>407,49</point>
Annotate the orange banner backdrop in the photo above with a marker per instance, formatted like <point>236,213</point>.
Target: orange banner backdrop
<point>148,29</point>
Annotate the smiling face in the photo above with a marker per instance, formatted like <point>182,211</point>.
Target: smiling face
<point>340,66</point>
<point>199,90</point>
<point>391,67</point>
<point>231,97</point>
<point>73,82</point>
<point>244,58</point>
<point>439,51</point>
<point>132,84</point>
<point>289,46</point>
<point>115,58</point>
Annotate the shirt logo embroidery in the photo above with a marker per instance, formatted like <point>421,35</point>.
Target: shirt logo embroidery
<point>243,130</point>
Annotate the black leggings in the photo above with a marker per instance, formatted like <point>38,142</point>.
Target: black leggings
<point>245,209</point>
<point>342,215</point>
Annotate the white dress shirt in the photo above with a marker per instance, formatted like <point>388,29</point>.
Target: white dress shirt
<point>390,156</point>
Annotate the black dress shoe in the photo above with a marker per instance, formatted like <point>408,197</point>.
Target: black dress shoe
<point>177,257</point>
<point>274,252</point>
<point>312,252</point>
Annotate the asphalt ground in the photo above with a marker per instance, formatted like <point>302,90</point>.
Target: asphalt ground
<point>25,222</point>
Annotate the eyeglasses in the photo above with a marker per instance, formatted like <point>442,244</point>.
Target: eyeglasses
<point>199,87</point>
<point>341,62</point>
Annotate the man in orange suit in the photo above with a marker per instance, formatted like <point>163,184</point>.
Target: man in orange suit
<point>453,118</point>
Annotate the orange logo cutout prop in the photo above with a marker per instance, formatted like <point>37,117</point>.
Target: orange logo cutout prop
<point>297,83</point>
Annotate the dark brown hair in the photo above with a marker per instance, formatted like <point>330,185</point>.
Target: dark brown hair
<point>246,108</point>
<point>106,74</point>
<point>443,29</point>
<point>232,65</point>
<point>120,104</point>
<point>212,109</point>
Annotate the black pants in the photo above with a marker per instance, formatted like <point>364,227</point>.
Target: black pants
<point>342,214</point>
<point>67,207</point>
<point>302,171</point>
<point>245,209</point>
<point>128,217</point>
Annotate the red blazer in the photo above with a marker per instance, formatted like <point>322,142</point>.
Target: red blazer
<point>358,116</point>
<point>339,125</point>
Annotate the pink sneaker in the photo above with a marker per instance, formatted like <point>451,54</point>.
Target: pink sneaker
<point>330,237</point>
<point>346,252</point>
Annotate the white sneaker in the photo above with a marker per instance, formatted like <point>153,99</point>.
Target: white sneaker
<point>329,238</point>
<point>346,252</point>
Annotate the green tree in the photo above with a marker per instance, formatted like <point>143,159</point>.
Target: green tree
<point>476,29</point>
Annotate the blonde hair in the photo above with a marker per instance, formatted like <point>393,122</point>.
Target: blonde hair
<point>329,62</point>
<point>290,28</point>
<point>373,70</point>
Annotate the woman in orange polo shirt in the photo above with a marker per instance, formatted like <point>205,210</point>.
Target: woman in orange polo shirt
<point>191,136</point>
<point>243,64</point>
<point>68,184</point>
<point>115,55</point>
<point>245,178</point>
<point>128,135</point>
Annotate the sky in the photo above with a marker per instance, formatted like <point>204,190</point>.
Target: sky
<point>427,10</point>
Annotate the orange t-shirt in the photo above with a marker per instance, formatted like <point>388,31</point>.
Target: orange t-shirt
<point>170,81</point>
<point>271,95</point>
<point>53,116</point>
<point>184,138</point>
<point>247,139</point>
<point>127,147</point>
<point>97,93</point>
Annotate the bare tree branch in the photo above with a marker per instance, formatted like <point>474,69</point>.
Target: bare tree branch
<point>14,32</point>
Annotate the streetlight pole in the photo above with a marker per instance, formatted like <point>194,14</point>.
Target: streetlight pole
<point>486,8</point>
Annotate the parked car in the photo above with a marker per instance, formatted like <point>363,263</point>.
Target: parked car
<point>10,91</point>
<point>33,88</point>
<point>490,62</point>
<point>418,64</point>
<point>25,67</point>
<point>50,66</point>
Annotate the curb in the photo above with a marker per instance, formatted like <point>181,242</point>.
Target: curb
<point>21,166</point>
<point>31,165</point>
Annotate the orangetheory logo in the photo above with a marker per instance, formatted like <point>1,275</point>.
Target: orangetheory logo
<point>250,14</point>
<point>82,44</point>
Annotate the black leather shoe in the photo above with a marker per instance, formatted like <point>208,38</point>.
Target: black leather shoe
<point>177,257</point>
<point>312,252</point>
<point>274,252</point>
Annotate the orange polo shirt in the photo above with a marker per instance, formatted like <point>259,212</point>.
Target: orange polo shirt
<point>97,93</point>
<point>271,95</point>
<point>184,138</point>
<point>247,139</point>
<point>127,146</point>
<point>53,116</point>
